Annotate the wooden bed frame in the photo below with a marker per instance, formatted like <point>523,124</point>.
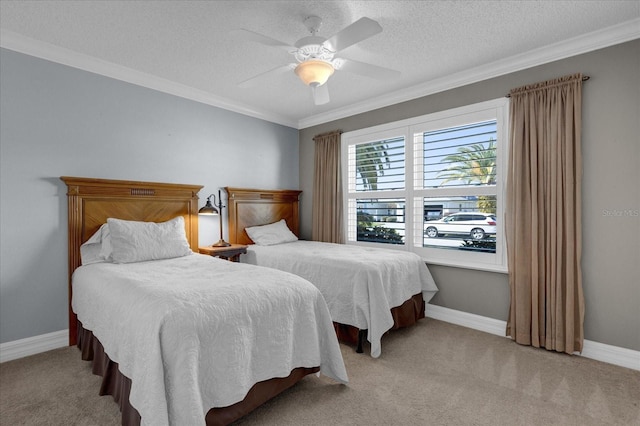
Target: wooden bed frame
<point>90,202</point>
<point>253,207</point>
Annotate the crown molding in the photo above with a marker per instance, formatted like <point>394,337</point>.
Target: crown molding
<point>626,31</point>
<point>39,49</point>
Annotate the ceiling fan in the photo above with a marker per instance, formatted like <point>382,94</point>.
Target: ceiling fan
<point>315,55</point>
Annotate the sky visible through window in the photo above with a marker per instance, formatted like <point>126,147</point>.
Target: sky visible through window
<point>460,156</point>
<point>380,165</point>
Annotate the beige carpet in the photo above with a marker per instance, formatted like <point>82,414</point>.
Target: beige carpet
<point>432,374</point>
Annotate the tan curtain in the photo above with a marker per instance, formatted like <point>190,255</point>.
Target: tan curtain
<point>327,189</point>
<point>543,215</point>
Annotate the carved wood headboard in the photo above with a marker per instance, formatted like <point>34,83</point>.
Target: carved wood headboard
<point>252,207</point>
<point>92,201</point>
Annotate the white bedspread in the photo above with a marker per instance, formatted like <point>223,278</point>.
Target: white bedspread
<point>360,284</point>
<point>197,332</point>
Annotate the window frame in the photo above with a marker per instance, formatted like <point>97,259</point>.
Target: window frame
<point>412,129</point>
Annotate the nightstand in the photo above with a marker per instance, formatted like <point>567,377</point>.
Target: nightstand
<point>231,253</point>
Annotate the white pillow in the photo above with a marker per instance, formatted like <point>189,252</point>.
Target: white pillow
<point>106,248</point>
<point>97,248</point>
<point>274,233</point>
<point>133,241</point>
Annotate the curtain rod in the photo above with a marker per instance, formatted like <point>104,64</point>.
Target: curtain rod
<point>584,78</point>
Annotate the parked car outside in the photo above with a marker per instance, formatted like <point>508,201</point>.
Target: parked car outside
<point>474,224</point>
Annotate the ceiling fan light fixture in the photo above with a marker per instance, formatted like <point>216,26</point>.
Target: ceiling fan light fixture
<point>314,72</point>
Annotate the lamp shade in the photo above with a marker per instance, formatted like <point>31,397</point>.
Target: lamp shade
<point>208,209</point>
<point>314,72</point>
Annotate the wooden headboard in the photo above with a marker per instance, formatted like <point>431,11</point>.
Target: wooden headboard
<point>92,201</point>
<point>251,207</point>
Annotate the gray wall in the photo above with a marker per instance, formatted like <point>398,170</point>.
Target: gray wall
<point>56,120</point>
<point>611,193</point>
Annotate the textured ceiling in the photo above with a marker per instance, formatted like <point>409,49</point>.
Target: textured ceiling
<point>185,47</point>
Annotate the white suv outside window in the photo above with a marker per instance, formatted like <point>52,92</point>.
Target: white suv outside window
<point>476,225</point>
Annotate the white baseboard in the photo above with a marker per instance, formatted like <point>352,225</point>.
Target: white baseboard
<point>611,354</point>
<point>33,345</point>
<point>465,319</point>
<point>599,351</point>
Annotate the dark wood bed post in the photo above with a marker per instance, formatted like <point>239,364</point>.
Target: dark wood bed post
<point>91,201</point>
<point>74,240</point>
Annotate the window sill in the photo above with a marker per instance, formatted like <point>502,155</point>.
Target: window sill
<point>466,265</point>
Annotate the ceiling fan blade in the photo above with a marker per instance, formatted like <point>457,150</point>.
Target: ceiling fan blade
<point>257,79</point>
<point>247,35</point>
<point>360,30</point>
<point>320,94</point>
<point>368,70</point>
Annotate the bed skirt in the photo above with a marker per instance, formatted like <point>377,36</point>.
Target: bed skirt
<point>404,315</point>
<point>116,384</point>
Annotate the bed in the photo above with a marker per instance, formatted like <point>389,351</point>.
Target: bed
<point>180,337</point>
<point>369,291</point>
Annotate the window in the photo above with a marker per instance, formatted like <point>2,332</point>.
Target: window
<point>376,213</point>
<point>432,184</point>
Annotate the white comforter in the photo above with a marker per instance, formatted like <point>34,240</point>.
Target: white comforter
<point>197,332</point>
<point>360,284</point>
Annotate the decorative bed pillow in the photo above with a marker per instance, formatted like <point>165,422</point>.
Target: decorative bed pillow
<point>271,234</point>
<point>97,248</point>
<point>106,248</point>
<point>134,241</point>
